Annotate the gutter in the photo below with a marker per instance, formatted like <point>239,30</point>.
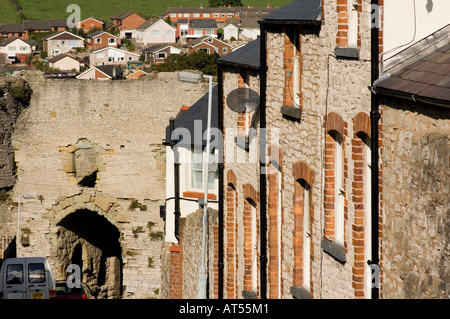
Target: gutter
<point>221,186</point>
<point>176,165</point>
<point>410,97</point>
<point>374,134</point>
<point>262,164</point>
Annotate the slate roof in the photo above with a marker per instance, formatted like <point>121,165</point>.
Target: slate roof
<point>298,11</point>
<point>428,77</point>
<point>203,24</point>
<point>36,25</point>
<point>59,57</point>
<point>198,111</point>
<point>12,28</point>
<point>154,48</point>
<point>99,32</point>
<point>62,35</point>
<point>58,23</point>
<point>146,24</point>
<point>246,56</point>
<point>110,69</point>
<point>122,15</point>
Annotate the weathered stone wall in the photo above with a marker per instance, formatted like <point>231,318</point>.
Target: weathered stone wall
<point>243,165</point>
<point>180,263</point>
<point>111,132</point>
<point>14,97</point>
<point>416,198</point>
<point>329,84</point>
<point>192,248</point>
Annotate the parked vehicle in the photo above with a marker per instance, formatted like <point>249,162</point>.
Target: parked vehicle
<point>27,278</point>
<point>64,292</point>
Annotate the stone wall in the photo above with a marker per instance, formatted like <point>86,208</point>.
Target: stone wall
<point>332,89</point>
<point>416,230</point>
<point>14,97</point>
<point>108,134</point>
<point>241,167</point>
<point>180,263</point>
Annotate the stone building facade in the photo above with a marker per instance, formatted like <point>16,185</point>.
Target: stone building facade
<point>315,80</point>
<point>91,153</point>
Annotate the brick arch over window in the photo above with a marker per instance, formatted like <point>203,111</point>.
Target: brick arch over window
<point>361,124</point>
<point>231,230</point>
<point>250,193</point>
<point>334,122</point>
<point>302,171</point>
<point>231,178</point>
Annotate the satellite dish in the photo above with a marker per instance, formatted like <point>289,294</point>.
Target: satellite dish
<point>243,100</point>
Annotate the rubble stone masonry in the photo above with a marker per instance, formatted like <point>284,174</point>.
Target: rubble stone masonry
<point>96,147</point>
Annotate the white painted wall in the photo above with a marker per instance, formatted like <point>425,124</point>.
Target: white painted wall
<point>402,27</point>
<point>186,207</point>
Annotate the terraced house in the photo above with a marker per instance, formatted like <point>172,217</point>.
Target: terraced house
<point>317,210</point>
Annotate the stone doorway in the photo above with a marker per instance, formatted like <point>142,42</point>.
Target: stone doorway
<point>89,240</point>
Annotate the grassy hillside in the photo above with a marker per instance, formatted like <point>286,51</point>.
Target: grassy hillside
<point>103,9</point>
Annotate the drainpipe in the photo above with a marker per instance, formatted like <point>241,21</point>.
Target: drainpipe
<point>221,168</point>
<point>176,165</point>
<point>374,119</point>
<point>262,164</point>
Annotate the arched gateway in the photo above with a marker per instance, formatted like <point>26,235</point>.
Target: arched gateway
<point>85,232</point>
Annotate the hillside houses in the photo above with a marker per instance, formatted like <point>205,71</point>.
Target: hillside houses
<point>61,42</point>
<point>100,39</point>
<point>16,49</point>
<point>210,45</point>
<point>111,56</point>
<point>219,14</point>
<point>155,32</point>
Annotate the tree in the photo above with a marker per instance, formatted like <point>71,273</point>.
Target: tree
<point>202,61</point>
<point>221,3</point>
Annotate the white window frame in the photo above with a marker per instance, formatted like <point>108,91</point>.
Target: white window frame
<point>196,15</point>
<point>352,23</point>
<point>206,15</point>
<point>211,188</point>
<point>254,239</point>
<point>296,70</point>
<point>98,40</point>
<point>339,193</point>
<point>306,237</point>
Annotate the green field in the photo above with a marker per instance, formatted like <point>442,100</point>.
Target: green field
<point>103,9</point>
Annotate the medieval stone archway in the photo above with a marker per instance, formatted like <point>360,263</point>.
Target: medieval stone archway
<point>85,231</point>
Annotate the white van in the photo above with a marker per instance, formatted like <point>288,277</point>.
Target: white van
<point>27,278</point>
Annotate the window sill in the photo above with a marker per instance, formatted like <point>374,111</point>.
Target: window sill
<point>199,195</point>
<point>347,53</point>
<point>300,293</point>
<point>335,250</point>
<point>249,294</point>
<point>291,113</point>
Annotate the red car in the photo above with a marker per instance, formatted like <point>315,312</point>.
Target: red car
<point>64,292</point>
